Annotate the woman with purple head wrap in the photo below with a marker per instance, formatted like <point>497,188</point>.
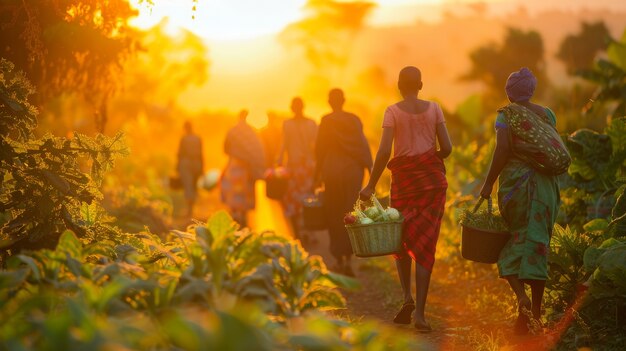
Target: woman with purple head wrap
<point>528,198</point>
<point>520,86</point>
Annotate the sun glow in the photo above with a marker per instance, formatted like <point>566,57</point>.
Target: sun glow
<point>232,19</point>
<point>221,19</point>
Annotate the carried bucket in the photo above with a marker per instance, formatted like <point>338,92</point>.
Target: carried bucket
<point>482,245</point>
<point>276,183</point>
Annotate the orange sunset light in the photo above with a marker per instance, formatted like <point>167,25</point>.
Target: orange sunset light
<point>235,19</point>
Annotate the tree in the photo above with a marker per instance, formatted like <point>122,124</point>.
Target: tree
<point>610,76</point>
<point>491,64</point>
<point>327,31</point>
<point>68,46</point>
<point>44,190</point>
<point>163,67</point>
<point>578,51</point>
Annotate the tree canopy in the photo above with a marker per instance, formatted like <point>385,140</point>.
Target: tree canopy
<point>491,64</point>
<point>68,46</point>
<point>578,51</point>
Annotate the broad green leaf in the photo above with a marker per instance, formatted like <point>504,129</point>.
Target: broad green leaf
<point>68,242</point>
<point>111,291</point>
<point>611,242</point>
<point>596,225</point>
<point>343,281</point>
<point>617,132</point>
<point>89,213</point>
<point>221,224</point>
<point>617,52</point>
<point>239,334</point>
<point>310,342</point>
<point>185,334</point>
<point>203,233</point>
<point>581,168</point>
<point>591,257</point>
<point>30,262</point>
<point>12,279</point>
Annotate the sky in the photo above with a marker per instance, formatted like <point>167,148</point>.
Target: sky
<point>223,20</point>
<point>227,20</point>
<point>250,68</point>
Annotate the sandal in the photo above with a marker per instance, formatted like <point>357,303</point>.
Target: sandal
<point>404,315</point>
<point>423,328</point>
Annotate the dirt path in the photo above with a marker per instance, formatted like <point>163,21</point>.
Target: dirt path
<point>469,309</point>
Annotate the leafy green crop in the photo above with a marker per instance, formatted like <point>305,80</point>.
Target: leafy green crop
<point>483,219</point>
<point>211,287</point>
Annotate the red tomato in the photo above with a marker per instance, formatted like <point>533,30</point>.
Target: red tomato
<point>349,219</point>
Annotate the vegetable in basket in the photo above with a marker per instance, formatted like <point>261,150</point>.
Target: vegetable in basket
<point>373,214</point>
<point>483,219</point>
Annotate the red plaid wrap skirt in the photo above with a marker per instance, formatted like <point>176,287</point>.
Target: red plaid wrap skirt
<point>418,191</point>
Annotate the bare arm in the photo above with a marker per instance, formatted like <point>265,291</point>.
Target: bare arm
<point>501,155</point>
<point>445,145</point>
<point>382,157</point>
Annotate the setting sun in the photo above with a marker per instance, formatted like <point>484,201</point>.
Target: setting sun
<point>222,20</point>
<point>234,19</point>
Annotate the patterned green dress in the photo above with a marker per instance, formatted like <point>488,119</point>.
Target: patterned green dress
<point>529,202</point>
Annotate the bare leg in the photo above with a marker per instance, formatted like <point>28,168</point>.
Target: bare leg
<point>190,208</point>
<point>523,302</point>
<point>295,226</point>
<point>244,219</point>
<point>403,265</point>
<point>240,218</point>
<point>517,286</point>
<point>422,281</point>
<point>536,288</point>
<point>347,266</point>
<point>339,264</point>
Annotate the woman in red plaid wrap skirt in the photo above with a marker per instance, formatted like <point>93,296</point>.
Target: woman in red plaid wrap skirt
<point>418,187</point>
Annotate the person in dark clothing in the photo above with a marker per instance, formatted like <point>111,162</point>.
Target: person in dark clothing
<point>190,164</point>
<point>270,134</point>
<point>342,153</point>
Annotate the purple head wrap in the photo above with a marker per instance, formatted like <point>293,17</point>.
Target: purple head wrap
<point>521,85</point>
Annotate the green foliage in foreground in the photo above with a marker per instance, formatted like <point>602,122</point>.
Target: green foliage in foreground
<point>588,284</point>
<point>211,287</point>
<point>45,189</point>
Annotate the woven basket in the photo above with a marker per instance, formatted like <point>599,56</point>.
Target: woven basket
<point>375,239</point>
<point>482,245</point>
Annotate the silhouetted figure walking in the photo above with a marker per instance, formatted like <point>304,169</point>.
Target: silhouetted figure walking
<point>342,155</point>
<point>270,136</point>
<point>190,165</point>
